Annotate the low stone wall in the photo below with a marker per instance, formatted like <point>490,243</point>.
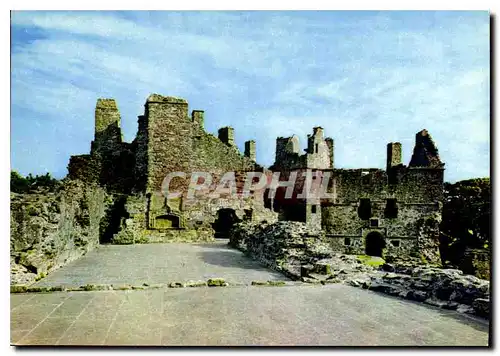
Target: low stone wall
<point>409,279</point>
<point>298,252</point>
<point>50,229</point>
<point>126,237</point>
<point>283,246</point>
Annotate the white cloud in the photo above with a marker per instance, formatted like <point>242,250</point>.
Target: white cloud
<point>367,80</point>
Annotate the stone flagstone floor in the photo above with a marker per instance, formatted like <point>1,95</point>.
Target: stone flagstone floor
<point>334,315</point>
<point>237,315</point>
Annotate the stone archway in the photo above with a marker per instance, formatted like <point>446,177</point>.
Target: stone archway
<point>374,244</point>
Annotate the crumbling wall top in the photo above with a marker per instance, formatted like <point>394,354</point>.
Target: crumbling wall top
<point>157,98</point>
<point>425,153</point>
<point>106,103</point>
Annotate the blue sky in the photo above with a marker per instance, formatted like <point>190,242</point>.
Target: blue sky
<point>368,78</point>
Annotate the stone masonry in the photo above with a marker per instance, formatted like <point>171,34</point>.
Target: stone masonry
<point>395,211</point>
<point>168,140</point>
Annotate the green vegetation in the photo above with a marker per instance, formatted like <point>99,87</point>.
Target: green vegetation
<point>31,210</point>
<point>216,282</point>
<point>40,276</point>
<point>466,219</point>
<point>124,237</point>
<point>196,284</point>
<point>372,261</point>
<point>18,289</point>
<point>268,283</point>
<point>276,283</point>
<point>20,184</point>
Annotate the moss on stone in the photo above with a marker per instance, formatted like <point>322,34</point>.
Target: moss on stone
<point>259,283</point>
<point>216,282</point>
<point>124,237</point>
<point>371,261</point>
<point>276,283</point>
<point>18,289</point>
<point>31,210</point>
<point>322,268</point>
<point>38,289</point>
<point>40,276</point>
<point>196,284</point>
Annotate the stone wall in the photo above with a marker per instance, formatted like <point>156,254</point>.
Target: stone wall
<point>169,138</point>
<point>111,161</point>
<point>318,155</point>
<point>300,253</point>
<point>283,246</point>
<point>168,141</point>
<point>412,233</point>
<point>196,217</point>
<point>209,154</point>
<point>51,229</point>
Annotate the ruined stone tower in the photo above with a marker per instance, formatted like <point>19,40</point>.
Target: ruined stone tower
<point>108,135</point>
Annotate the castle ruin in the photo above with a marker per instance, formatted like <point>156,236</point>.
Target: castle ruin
<point>395,211</point>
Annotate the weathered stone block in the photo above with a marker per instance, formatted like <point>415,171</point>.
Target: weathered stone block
<point>216,282</point>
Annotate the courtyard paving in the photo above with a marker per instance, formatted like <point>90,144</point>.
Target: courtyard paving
<point>159,264</point>
<point>237,315</point>
<point>334,315</point>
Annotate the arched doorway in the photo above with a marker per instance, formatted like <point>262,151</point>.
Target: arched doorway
<point>374,244</point>
<point>226,218</point>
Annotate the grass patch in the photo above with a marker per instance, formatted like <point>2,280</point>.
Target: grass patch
<point>40,276</point>
<point>372,261</point>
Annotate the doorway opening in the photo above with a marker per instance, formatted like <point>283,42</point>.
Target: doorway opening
<point>375,244</point>
<point>226,218</point>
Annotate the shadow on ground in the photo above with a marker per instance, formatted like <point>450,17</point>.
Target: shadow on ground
<point>231,258</point>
